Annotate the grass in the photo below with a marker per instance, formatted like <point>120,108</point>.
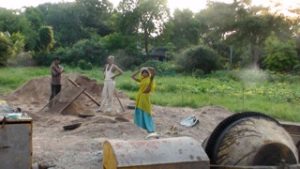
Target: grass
<point>278,97</point>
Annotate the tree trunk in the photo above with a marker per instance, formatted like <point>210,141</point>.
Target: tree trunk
<point>146,42</point>
<point>254,54</point>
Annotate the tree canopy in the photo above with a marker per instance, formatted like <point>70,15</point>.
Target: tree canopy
<point>238,33</point>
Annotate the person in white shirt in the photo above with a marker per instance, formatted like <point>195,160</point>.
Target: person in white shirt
<point>111,71</point>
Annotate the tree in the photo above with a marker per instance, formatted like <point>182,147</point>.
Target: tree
<point>46,38</point>
<point>5,48</point>
<point>253,30</point>
<point>35,17</point>
<point>200,58</point>
<point>146,16</point>
<point>36,20</point>
<point>11,21</point>
<point>18,42</point>
<point>127,17</point>
<point>183,29</point>
<point>95,14</point>
<point>152,17</point>
<point>65,21</point>
<point>14,21</point>
<point>216,21</point>
<point>280,56</point>
<point>241,27</point>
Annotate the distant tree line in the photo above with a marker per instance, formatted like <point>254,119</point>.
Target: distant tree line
<point>84,32</point>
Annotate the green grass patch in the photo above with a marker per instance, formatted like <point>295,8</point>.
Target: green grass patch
<point>276,96</point>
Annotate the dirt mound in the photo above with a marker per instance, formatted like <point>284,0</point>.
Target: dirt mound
<point>90,85</point>
<point>38,90</point>
<point>35,91</point>
<point>34,94</point>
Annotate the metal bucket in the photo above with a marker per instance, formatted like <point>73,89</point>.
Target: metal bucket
<point>171,153</point>
<point>250,139</point>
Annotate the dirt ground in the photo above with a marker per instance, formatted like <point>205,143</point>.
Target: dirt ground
<point>55,148</point>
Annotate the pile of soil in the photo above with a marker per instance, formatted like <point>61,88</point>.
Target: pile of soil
<point>82,148</point>
<point>35,94</point>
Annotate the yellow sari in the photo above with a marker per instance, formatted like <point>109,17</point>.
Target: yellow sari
<point>143,111</point>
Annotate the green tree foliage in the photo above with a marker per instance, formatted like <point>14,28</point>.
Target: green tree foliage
<point>183,29</point>
<point>88,30</point>
<point>88,50</point>
<point>45,43</point>
<point>66,23</point>
<point>5,48</point>
<point>216,20</point>
<point>152,17</point>
<point>10,46</point>
<point>161,68</point>
<point>281,55</point>
<point>128,60</point>
<point>128,18</point>
<point>11,21</point>
<point>18,42</point>
<point>252,31</point>
<point>14,21</point>
<point>82,64</point>
<point>240,26</point>
<point>94,14</point>
<point>147,16</point>
<point>200,58</point>
<point>46,40</point>
<point>34,16</point>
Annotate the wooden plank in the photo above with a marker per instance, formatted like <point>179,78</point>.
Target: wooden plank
<point>59,106</point>
<point>71,101</point>
<point>85,92</point>
<point>116,94</point>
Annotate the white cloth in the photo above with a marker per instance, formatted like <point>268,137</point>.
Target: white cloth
<point>108,90</point>
<point>108,72</point>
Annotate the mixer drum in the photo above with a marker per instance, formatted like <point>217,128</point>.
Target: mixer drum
<point>250,139</point>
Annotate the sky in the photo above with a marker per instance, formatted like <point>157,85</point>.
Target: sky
<point>194,5</point>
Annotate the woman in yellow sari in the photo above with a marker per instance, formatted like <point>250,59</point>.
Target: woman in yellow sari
<point>143,109</point>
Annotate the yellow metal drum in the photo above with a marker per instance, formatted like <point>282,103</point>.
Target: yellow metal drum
<point>171,153</point>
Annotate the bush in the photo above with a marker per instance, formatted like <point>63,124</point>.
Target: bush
<point>22,59</point>
<point>198,73</point>
<point>296,68</point>
<point>162,68</point>
<point>89,50</point>
<point>82,64</point>
<point>43,58</point>
<point>199,58</point>
<point>280,56</point>
<point>128,61</point>
<point>46,41</point>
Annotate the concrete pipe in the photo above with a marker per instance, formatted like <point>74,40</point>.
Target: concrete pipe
<point>171,153</point>
<point>250,139</point>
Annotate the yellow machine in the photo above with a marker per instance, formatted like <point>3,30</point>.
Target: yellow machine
<point>172,153</point>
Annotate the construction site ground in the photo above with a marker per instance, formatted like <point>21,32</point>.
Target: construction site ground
<point>81,148</point>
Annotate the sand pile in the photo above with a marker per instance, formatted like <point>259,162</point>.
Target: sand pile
<point>34,95</point>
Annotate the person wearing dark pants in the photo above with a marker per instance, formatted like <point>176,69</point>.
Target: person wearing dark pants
<point>55,89</point>
<point>56,71</point>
